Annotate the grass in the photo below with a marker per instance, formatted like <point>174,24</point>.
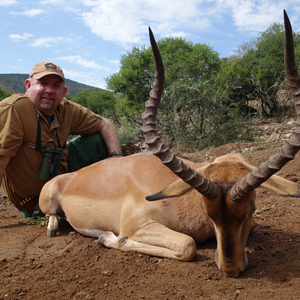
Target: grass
<point>258,212</point>
<point>264,145</point>
<point>41,221</point>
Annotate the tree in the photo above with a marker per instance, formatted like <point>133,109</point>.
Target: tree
<point>260,71</point>
<point>82,97</point>
<point>135,77</point>
<point>3,93</point>
<point>183,61</point>
<point>244,48</point>
<point>99,101</point>
<point>190,102</point>
<point>68,96</point>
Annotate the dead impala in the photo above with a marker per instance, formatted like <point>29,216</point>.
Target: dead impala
<point>107,200</point>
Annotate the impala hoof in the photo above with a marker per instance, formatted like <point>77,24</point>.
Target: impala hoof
<point>52,226</point>
<point>51,233</point>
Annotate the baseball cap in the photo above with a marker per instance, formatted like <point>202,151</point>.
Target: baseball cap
<point>44,68</point>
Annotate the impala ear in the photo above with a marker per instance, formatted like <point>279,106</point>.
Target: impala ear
<point>158,196</point>
<point>281,187</point>
<point>175,189</point>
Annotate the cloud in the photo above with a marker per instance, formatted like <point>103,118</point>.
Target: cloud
<point>250,16</point>
<point>125,21</point>
<point>101,85</point>
<point>63,5</point>
<point>178,34</point>
<point>29,13</point>
<point>86,78</point>
<point>115,62</point>
<point>48,41</point>
<point>8,2</point>
<point>75,74</point>
<point>52,2</point>
<point>82,62</point>
<point>18,37</point>
<point>255,16</point>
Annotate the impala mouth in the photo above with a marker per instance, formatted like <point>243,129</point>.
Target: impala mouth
<point>231,273</point>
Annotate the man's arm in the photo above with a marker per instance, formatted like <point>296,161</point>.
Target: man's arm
<point>4,160</point>
<point>110,136</point>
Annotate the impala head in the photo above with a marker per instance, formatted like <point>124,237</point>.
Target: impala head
<point>232,220</point>
<point>227,191</point>
<point>232,229</point>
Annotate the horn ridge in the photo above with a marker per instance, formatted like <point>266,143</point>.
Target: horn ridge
<point>203,185</point>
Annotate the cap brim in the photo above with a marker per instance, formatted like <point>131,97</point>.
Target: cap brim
<point>42,74</point>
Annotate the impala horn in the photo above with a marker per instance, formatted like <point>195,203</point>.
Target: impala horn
<point>199,182</point>
<point>289,149</point>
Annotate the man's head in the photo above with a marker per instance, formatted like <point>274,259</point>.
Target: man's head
<point>46,86</point>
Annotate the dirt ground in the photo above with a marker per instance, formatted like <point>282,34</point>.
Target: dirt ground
<point>71,266</point>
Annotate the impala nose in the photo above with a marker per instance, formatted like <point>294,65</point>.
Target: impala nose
<point>231,273</point>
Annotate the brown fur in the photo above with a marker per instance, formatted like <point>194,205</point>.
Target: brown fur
<point>108,199</point>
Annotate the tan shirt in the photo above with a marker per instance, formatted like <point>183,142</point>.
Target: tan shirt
<point>18,126</point>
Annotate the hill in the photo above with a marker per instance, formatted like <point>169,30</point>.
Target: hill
<point>14,83</point>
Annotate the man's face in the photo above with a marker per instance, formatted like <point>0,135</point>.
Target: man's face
<point>46,93</point>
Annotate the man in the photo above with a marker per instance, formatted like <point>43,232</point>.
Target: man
<point>44,118</point>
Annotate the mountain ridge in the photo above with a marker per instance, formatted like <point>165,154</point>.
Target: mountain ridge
<point>14,83</point>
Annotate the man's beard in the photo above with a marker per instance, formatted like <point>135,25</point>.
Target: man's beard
<point>47,105</point>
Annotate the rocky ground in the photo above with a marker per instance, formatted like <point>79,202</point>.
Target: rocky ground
<point>71,266</point>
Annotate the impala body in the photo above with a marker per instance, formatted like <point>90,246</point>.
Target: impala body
<point>107,201</point>
<point>113,200</point>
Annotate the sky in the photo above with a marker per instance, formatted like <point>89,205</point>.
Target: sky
<point>87,38</point>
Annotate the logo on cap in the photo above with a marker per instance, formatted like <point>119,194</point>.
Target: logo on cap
<point>50,66</point>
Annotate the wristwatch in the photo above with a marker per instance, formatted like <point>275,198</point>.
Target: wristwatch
<point>115,153</point>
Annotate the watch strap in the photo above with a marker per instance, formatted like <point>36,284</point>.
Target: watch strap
<point>114,153</point>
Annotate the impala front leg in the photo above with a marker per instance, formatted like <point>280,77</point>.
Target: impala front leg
<point>52,226</point>
<point>152,239</point>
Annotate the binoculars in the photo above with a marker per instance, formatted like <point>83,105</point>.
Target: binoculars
<point>50,163</point>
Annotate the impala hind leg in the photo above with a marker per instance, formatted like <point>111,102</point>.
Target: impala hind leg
<point>153,239</point>
<point>52,226</point>
<point>50,200</point>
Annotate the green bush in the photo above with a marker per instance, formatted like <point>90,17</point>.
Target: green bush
<point>3,94</point>
<point>128,132</point>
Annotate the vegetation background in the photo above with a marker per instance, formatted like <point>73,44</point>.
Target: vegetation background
<point>208,101</point>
